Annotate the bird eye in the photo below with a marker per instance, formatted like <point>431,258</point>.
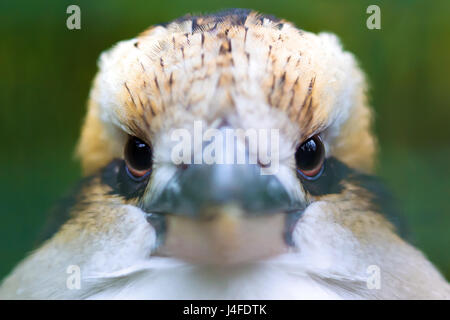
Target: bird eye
<point>309,158</point>
<point>138,158</point>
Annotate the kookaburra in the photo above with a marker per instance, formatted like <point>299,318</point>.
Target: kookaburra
<point>142,226</point>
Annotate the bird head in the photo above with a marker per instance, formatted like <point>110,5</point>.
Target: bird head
<point>168,108</point>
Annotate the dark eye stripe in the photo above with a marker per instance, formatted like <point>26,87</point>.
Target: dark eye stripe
<point>60,213</point>
<point>329,181</point>
<point>116,176</point>
<point>335,173</point>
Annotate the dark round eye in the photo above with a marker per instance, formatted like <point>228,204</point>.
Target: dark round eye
<point>309,157</point>
<point>138,157</point>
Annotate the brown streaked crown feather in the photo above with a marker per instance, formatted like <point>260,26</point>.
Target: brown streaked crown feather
<point>204,67</point>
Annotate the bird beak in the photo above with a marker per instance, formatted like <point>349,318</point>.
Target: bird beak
<point>222,213</point>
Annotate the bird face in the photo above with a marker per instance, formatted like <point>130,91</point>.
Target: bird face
<point>227,142</point>
<point>292,103</point>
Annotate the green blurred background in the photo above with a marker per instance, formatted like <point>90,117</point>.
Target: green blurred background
<point>46,71</point>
